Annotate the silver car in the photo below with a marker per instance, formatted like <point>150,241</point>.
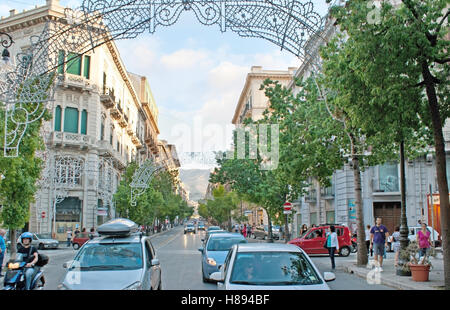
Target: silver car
<point>114,263</point>
<point>44,241</point>
<point>269,266</point>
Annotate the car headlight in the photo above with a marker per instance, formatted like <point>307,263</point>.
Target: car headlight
<point>211,261</point>
<point>135,286</point>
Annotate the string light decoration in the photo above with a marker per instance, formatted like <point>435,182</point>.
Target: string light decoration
<point>142,178</point>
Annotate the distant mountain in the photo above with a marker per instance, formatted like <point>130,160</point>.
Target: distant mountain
<point>196,182</point>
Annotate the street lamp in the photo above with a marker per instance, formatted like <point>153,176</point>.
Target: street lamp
<point>6,41</point>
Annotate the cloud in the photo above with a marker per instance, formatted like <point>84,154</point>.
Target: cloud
<point>186,59</point>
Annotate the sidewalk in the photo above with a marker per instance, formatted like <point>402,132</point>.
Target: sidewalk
<point>388,276</point>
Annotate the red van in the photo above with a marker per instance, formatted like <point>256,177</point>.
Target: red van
<point>312,241</point>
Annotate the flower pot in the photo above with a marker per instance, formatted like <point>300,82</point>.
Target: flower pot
<point>419,272</point>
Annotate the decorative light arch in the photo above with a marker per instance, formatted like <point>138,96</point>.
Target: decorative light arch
<point>289,24</point>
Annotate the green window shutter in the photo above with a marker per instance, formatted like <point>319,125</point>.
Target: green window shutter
<point>61,56</point>
<point>71,120</point>
<point>58,118</point>
<point>83,122</point>
<point>87,66</point>
<point>74,63</point>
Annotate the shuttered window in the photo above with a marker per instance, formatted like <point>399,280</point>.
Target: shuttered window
<point>74,63</point>
<point>58,118</point>
<point>71,120</point>
<point>61,57</point>
<point>86,65</point>
<point>83,122</point>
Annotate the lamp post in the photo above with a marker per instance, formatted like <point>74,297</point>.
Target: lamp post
<point>6,41</point>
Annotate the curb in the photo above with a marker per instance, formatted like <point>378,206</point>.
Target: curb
<point>385,281</point>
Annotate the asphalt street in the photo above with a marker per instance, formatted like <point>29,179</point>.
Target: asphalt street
<point>181,264</point>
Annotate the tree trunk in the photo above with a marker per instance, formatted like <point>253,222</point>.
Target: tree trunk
<point>361,257</point>
<point>13,239</point>
<point>270,239</point>
<point>440,169</point>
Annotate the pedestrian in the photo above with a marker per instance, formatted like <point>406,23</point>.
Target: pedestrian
<point>396,244</point>
<point>244,231</point>
<point>2,249</point>
<point>313,225</point>
<point>91,233</point>
<point>69,237</point>
<point>378,242</point>
<point>368,241</point>
<point>83,230</point>
<point>332,244</point>
<point>77,231</point>
<point>423,240</point>
<point>303,229</point>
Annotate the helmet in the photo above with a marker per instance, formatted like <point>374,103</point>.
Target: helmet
<point>26,235</point>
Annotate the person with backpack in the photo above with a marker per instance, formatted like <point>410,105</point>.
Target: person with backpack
<point>30,256</point>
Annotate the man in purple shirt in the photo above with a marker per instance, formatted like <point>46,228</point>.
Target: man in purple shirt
<point>378,241</point>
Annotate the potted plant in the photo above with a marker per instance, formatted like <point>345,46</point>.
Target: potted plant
<point>418,267</point>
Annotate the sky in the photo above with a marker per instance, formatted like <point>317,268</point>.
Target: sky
<point>196,74</point>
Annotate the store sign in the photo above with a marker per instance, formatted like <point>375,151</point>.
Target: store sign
<point>351,210</point>
<point>102,212</point>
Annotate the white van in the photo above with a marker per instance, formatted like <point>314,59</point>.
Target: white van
<point>434,234</point>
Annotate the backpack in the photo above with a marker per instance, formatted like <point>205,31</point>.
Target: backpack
<point>42,258</point>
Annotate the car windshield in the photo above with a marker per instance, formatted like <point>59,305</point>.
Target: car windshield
<point>110,256</point>
<point>220,243</point>
<point>200,223</point>
<point>44,236</point>
<point>213,228</point>
<point>273,268</point>
<point>190,225</point>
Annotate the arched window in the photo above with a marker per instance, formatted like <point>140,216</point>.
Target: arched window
<point>58,118</point>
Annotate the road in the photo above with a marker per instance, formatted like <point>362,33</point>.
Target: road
<point>181,264</point>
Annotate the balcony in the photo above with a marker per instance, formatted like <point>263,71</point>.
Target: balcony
<point>130,131</point>
<point>117,114</point>
<point>136,141</point>
<point>74,82</point>
<point>107,98</point>
<point>68,139</point>
<point>327,193</point>
<point>311,196</point>
<point>104,148</point>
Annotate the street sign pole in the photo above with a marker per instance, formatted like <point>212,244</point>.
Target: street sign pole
<point>287,210</point>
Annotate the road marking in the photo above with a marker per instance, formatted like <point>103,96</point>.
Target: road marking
<point>169,240</point>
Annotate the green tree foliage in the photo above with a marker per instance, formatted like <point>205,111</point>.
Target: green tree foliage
<point>219,209</point>
<point>159,200</point>
<point>18,187</point>
<point>402,59</point>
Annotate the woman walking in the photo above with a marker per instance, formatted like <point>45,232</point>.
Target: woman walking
<point>303,229</point>
<point>368,241</point>
<point>396,243</point>
<point>244,231</point>
<point>332,244</point>
<point>423,239</point>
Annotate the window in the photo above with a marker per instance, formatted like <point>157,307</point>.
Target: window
<point>102,129</point>
<point>83,122</point>
<point>71,120</point>
<point>388,178</point>
<point>58,118</point>
<point>61,57</point>
<point>74,63</point>
<point>86,66</point>
<point>111,136</point>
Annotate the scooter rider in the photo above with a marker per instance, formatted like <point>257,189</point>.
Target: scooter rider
<point>30,255</point>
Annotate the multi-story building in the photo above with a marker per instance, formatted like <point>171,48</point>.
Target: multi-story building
<point>103,118</point>
<point>380,184</point>
<point>252,103</point>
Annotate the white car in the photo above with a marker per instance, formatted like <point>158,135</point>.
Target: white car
<point>269,266</point>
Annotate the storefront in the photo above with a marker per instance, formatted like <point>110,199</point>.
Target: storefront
<point>68,216</point>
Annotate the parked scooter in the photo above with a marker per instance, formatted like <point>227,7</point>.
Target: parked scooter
<point>354,248</point>
<point>15,276</point>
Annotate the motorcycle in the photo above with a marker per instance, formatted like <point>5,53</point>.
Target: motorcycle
<point>354,248</point>
<point>15,276</point>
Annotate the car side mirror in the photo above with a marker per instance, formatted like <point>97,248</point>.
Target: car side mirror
<point>329,276</point>
<point>155,262</point>
<point>216,276</point>
<point>200,249</point>
<point>67,264</point>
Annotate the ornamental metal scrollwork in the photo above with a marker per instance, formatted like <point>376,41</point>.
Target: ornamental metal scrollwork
<point>26,90</point>
<point>142,178</point>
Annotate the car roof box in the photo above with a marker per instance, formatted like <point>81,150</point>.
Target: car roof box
<point>118,227</point>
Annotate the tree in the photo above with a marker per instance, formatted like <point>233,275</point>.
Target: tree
<point>219,208</point>
<point>18,187</point>
<point>408,45</point>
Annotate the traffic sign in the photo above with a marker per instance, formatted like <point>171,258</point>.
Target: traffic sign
<point>287,206</point>
<point>43,214</point>
<point>287,212</point>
